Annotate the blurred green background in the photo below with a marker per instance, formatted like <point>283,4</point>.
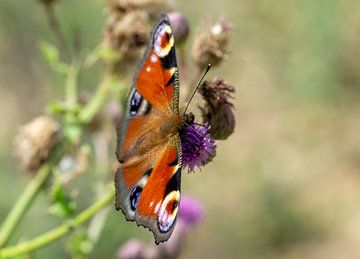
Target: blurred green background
<point>284,185</point>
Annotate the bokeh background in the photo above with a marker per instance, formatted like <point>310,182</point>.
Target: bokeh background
<point>284,185</point>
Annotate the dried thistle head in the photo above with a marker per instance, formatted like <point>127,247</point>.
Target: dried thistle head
<point>210,45</point>
<point>218,110</point>
<point>34,142</point>
<point>135,4</point>
<point>127,32</point>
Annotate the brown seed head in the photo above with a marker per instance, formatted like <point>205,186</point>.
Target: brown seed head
<point>135,4</point>
<point>210,45</point>
<point>34,142</point>
<point>218,110</point>
<point>127,32</point>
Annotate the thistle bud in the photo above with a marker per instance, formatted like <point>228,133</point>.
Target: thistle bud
<point>210,45</point>
<point>180,26</point>
<point>218,110</point>
<point>34,142</point>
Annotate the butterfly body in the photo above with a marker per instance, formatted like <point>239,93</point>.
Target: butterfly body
<point>149,147</point>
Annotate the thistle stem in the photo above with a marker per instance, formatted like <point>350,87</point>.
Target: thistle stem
<point>23,203</point>
<point>55,28</point>
<point>62,230</point>
<point>99,99</point>
<point>71,85</point>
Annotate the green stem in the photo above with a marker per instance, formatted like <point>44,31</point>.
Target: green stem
<point>99,99</point>
<point>71,85</point>
<point>55,28</point>
<point>72,130</point>
<point>57,233</point>
<point>23,203</point>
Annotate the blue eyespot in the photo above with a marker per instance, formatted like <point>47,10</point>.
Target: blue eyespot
<point>134,197</point>
<point>135,103</point>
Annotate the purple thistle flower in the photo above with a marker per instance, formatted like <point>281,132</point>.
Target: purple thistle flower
<point>198,147</point>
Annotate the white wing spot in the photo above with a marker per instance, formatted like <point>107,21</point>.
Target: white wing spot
<point>153,58</point>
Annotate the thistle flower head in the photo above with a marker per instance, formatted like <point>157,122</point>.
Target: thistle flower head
<point>210,45</point>
<point>127,32</point>
<point>218,110</point>
<point>34,142</point>
<point>135,4</point>
<point>198,147</point>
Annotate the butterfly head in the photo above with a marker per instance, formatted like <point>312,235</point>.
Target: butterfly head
<point>187,119</point>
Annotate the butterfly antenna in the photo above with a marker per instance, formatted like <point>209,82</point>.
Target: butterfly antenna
<point>197,87</point>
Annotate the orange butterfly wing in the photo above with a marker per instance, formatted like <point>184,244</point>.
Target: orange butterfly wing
<point>148,180</point>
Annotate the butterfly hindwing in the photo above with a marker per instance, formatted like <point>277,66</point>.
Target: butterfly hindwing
<point>159,202</point>
<point>148,180</point>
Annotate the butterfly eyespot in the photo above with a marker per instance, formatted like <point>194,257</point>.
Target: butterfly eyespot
<point>135,103</point>
<point>138,105</point>
<point>168,35</point>
<point>163,40</point>
<point>168,211</point>
<point>134,197</point>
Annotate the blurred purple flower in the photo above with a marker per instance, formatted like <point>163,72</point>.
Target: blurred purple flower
<point>198,147</point>
<point>191,211</point>
<point>131,249</point>
<point>136,249</point>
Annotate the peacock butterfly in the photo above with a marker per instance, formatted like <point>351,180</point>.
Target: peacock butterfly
<point>149,147</point>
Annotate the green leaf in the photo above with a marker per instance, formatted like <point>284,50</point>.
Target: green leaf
<point>64,206</point>
<point>51,55</point>
<point>61,108</point>
<point>100,52</point>
<point>57,108</point>
<point>79,244</point>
